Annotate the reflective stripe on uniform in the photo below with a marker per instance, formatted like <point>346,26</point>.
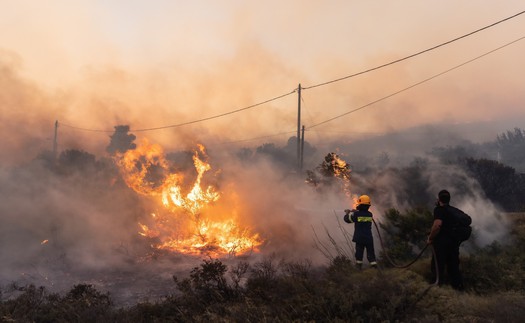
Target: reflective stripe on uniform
<point>364,219</point>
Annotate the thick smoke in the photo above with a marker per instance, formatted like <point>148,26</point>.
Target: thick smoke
<point>54,225</point>
<point>489,223</point>
<point>78,219</point>
<point>78,222</point>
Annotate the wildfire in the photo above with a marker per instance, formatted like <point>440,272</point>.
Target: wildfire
<point>341,170</point>
<point>190,222</point>
<point>340,167</point>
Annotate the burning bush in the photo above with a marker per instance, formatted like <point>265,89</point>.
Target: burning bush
<point>190,221</point>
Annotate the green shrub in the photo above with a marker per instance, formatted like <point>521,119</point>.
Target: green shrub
<point>404,234</point>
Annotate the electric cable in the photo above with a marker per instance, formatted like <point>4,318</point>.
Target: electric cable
<point>415,84</point>
<point>256,138</point>
<point>218,115</point>
<point>189,122</point>
<point>83,129</point>
<point>413,55</point>
<point>325,83</point>
<point>346,113</point>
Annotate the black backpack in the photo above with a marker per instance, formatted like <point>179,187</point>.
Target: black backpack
<point>460,228</point>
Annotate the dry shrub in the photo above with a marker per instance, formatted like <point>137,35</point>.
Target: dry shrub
<point>277,291</point>
<point>448,305</point>
<point>83,303</point>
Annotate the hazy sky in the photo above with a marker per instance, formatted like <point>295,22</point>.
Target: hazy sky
<point>95,64</point>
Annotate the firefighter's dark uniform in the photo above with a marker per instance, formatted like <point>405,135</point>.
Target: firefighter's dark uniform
<point>362,219</point>
<point>447,250</point>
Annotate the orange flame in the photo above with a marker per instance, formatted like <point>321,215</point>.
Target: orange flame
<point>187,224</point>
<point>342,170</point>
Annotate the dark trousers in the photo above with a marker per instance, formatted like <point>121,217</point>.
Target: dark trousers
<point>447,256</point>
<point>360,250</point>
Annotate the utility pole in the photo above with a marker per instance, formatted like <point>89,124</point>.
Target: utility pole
<point>55,142</point>
<point>299,127</point>
<point>302,151</point>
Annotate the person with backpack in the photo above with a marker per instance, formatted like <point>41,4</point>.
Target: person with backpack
<point>362,219</point>
<point>445,237</point>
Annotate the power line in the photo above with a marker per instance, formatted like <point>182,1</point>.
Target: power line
<point>216,116</point>
<point>390,95</point>
<point>84,129</point>
<point>257,138</point>
<point>413,55</point>
<point>346,132</point>
<point>415,84</point>
<point>320,123</point>
<point>189,122</point>
<point>317,85</point>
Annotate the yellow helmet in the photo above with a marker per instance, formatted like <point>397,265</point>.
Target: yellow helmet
<point>364,199</point>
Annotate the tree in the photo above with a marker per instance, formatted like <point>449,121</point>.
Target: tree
<point>451,155</point>
<point>416,182</point>
<point>405,232</point>
<point>512,148</point>
<point>500,183</point>
<point>72,160</point>
<point>332,170</point>
<point>291,147</point>
<point>121,140</point>
<point>276,154</point>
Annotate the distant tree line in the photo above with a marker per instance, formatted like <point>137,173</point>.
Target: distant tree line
<point>498,166</point>
<point>494,165</point>
<point>499,182</point>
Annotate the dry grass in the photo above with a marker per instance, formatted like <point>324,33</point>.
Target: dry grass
<point>275,290</point>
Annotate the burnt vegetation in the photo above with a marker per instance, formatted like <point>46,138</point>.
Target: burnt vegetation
<point>275,289</point>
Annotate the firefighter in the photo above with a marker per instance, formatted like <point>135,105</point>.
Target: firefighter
<point>362,219</point>
<point>446,248</point>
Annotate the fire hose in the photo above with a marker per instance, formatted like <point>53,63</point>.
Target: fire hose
<point>413,261</point>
